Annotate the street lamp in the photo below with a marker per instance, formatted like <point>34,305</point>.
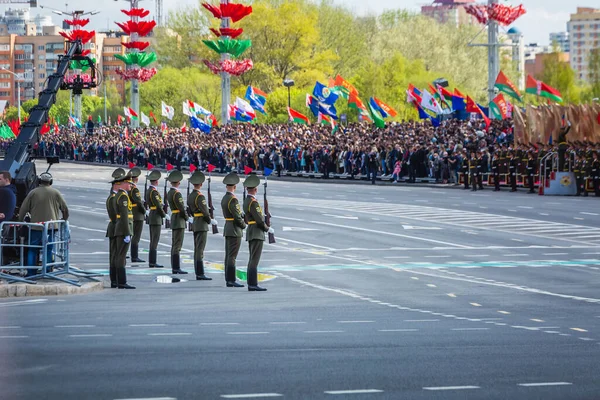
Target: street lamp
<point>288,83</point>
<point>17,76</point>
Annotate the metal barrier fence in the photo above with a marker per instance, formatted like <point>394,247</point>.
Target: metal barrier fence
<point>41,249</point>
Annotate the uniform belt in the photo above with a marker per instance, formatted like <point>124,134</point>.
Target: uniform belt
<point>134,205</point>
<point>228,219</point>
<point>153,208</point>
<point>198,215</point>
<point>175,212</point>
<point>128,216</point>
<point>251,222</point>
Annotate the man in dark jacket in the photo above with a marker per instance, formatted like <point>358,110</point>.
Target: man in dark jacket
<point>8,197</point>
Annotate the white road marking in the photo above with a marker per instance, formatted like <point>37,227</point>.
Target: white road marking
<point>397,330</point>
<point>247,333</point>
<point>340,216</point>
<point>324,331</point>
<point>414,278</point>
<point>451,388</point>
<point>399,257</point>
<point>355,322</point>
<point>306,244</point>
<point>517,240</point>
<point>438,256</point>
<point>170,334</point>
<point>10,327</point>
<point>588,213</point>
<point>470,329</point>
<point>355,391</point>
<point>75,326</point>
<point>556,254</point>
<point>536,320</point>
<point>580,219</point>
<point>297,229</point>
<point>536,384</point>
<point>23,302</point>
<point>431,285</point>
<point>475,304</point>
<point>578,329</point>
<point>92,335</point>
<point>451,295</point>
<point>13,337</point>
<point>250,395</point>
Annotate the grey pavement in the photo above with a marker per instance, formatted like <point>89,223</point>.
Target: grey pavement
<point>374,292</point>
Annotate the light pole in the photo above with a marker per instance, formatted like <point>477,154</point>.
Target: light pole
<point>18,79</point>
<point>288,83</point>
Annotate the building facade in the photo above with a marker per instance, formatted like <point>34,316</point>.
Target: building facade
<point>518,55</point>
<point>560,39</point>
<point>449,12</point>
<point>584,36</point>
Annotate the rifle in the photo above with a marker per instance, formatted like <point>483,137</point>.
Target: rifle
<point>166,205</point>
<point>211,209</point>
<point>244,201</point>
<point>189,210</point>
<point>268,214</point>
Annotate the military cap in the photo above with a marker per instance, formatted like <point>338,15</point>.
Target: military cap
<point>154,175</point>
<point>252,181</point>
<point>122,177</point>
<point>197,178</point>
<point>118,172</point>
<point>175,176</point>
<point>135,172</point>
<point>231,179</point>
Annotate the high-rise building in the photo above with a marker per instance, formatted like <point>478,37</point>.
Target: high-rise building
<point>584,36</point>
<point>449,11</point>
<point>560,39</point>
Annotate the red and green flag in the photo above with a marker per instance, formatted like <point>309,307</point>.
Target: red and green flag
<point>324,119</point>
<point>472,107</point>
<point>355,102</point>
<point>342,87</point>
<point>376,117</point>
<point>297,117</point>
<point>6,132</point>
<point>130,113</point>
<point>499,107</point>
<point>504,85</point>
<point>539,88</point>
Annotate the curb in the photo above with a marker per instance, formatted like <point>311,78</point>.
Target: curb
<point>25,290</point>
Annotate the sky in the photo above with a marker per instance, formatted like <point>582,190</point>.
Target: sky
<point>543,16</point>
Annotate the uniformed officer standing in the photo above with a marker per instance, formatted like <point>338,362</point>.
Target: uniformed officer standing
<point>473,168</point>
<point>530,171</point>
<point>178,220</point>
<point>123,228</point>
<point>512,170</point>
<point>596,173</point>
<point>255,234</point>
<point>200,219</point>
<point>155,217</point>
<point>579,173</point>
<point>139,214</point>
<point>496,171</point>
<point>110,230</point>
<point>465,169</point>
<point>234,226</point>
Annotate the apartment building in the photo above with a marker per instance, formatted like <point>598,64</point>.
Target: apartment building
<point>584,36</point>
<point>449,11</point>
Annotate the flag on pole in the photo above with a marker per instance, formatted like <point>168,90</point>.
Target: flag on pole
<point>183,128</point>
<point>473,107</point>
<point>130,113</point>
<point>296,117</point>
<point>539,88</point>
<point>458,100</point>
<point>167,111</point>
<point>384,109</point>
<point>429,103</point>
<point>322,118</point>
<point>257,99</point>
<point>145,119</point>
<point>153,116</point>
<point>245,107</point>
<point>342,87</point>
<point>247,170</point>
<point>324,95</point>
<point>499,107</point>
<point>267,172</point>
<point>163,127</point>
<point>503,84</point>
<point>376,117</point>
<point>119,119</point>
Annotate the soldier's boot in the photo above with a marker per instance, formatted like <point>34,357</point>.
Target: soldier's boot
<point>135,253</point>
<point>230,276</point>
<point>122,279</point>
<point>153,260</point>
<point>199,269</point>
<point>252,274</point>
<point>113,277</point>
<point>176,265</point>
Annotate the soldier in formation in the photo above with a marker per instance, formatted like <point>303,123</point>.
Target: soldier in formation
<point>179,219</point>
<point>156,215</point>
<point>139,215</point>
<point>234,226</point>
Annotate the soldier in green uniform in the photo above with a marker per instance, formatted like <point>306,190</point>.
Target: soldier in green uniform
<point>578,169</point>
<point>473,163</point>
<point>178,220</point>
<point>155,216</point>
<point>596,173</point>
<point>139,214</point>
<point>496,162</point>
<point>200,219</point>
<point>465,169</point>
<point>530,171</point>
<point>513,164</point>
<point>110,230</point>
<point>123,228</point>
<point>255,234</point>
<point>234,226</point>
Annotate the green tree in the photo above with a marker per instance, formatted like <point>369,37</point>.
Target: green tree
<point>12,113</point>
<point>594,74</point>
<point>559,74</point>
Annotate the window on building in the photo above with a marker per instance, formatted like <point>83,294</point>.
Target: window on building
<point>41,85</point>
<point>5,94</point>
<point>5,85</point>
<point>41,57</point>
<point>4,47</point>
<point>41,66</point>
<point>41,48</point>
<point>42,76</point>
<point>5,76</point>
<point>25,47</point>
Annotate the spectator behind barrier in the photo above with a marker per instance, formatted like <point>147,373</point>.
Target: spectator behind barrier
<point>8,197</point>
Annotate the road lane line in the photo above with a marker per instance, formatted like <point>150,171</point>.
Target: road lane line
<point>537,384</point>
<point>451,295</point>
<point>504,312</point>
<point>152,398</point>
<point>170,334</point>
<point>355,391</point>
<point>218,323</point>
<point>23,302</point>
<point>536,320</point>
<point>10,327</point>
<point>250,395</point>
<point>475,304</point>
<point>578,329</point>
<point>287,323</point>
<point>431,285</point>
<point>92,335</point>
<point>13,337</point>
<point>451,387</point>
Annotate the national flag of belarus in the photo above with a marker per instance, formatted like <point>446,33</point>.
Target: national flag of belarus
<point>499,107</point>
<point>296,117</point>
<point>129,112</point>
<point>505,85</point>
<point>539,88</point>
<point>355,102</point>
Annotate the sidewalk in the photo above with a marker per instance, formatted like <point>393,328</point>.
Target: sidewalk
<point>47,288</point>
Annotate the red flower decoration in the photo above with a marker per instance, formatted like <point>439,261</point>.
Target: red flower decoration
<point>141,74</point>
<point>230,10</point>
<point>84,36</point>
<point>142,28</point>
<point>504,15</point>
<point>231,32</point>
<point>141,46</point>
<point>136,12</point>
<point>77,22</point>
<point>233,67</point>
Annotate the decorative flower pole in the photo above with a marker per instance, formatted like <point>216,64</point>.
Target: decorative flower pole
<point>136,60</point>
<point>77,67</point>
<point>227,45</point>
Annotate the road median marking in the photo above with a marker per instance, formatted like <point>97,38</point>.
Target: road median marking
<point>538,384</point>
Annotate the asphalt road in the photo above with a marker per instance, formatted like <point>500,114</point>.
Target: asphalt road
<point>395,292</point>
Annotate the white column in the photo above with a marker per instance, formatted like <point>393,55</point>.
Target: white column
<point>135,87</point>
<point>225,77</point>
<point>493,56</point>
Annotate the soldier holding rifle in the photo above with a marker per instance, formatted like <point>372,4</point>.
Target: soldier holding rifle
<point>155,217</point>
